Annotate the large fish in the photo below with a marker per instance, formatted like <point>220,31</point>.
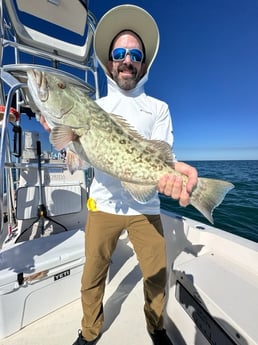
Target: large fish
<point>107,142</point>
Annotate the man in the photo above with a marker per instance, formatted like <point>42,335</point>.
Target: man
<point>126,43</point>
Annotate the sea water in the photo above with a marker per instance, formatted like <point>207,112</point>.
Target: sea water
<point>238,213</point>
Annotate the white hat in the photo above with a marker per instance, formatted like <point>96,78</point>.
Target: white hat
<point>126,17</point>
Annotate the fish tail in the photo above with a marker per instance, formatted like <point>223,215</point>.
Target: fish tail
<point>208,194</point>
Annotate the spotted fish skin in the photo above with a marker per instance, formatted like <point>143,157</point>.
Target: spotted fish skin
<point>108,143</point>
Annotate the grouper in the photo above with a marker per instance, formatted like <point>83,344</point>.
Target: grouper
<point>107,142</point>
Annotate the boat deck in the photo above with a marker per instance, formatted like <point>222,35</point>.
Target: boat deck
<point>217,269</point>
<point>123,308</point>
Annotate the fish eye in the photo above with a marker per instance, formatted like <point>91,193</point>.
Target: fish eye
<point>61,85</point>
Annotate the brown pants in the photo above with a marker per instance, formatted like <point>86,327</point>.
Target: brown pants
<point>102,232</point>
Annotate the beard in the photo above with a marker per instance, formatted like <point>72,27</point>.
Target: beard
<point>129,81</point>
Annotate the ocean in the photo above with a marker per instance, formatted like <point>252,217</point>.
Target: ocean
<point>238,213</point>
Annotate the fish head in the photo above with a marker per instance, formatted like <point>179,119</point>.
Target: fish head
<point>49,92</point>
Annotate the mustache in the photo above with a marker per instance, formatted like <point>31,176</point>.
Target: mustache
<point>127,67</point>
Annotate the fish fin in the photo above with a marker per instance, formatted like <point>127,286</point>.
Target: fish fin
<point>61,136</point>
<point>74,162</point>
<point>140,193</point>
<point>163,148</point>
<point>165,151</point>
<point>208,194</point>
<point>78,148</point>
<point>127,128</point>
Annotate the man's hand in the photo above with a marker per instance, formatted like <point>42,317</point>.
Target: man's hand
<point>173,186</point>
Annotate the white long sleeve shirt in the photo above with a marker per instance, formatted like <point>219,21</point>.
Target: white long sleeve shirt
<point>151,118</point>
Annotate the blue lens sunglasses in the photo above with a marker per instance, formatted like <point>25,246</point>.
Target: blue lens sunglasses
<point>119,54</point>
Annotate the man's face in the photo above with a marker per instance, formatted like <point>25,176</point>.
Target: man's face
<point>126,73</point>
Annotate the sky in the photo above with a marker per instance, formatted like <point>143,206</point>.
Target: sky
<point>207,71</point>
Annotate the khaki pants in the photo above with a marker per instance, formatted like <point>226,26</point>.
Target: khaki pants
<point>102,232</point>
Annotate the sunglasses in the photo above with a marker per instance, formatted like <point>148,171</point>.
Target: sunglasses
<point>119,54</point>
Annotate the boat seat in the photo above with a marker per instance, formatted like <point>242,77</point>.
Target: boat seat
<point>51,19</point>
<point>53,195</point>
<point>228,291</point>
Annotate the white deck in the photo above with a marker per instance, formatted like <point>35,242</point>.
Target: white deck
<point>124,318</point>
<point>222,275</point>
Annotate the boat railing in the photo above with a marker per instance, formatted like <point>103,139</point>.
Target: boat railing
<point>28,40</point>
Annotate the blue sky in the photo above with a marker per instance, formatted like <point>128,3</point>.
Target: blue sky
<point>207,71</point>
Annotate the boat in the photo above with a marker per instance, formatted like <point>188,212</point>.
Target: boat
<point>212,284</point>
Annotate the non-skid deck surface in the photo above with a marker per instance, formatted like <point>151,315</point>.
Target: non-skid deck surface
<point>123,306</point>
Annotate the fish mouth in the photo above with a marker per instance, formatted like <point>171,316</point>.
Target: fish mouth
<point>39,84</point>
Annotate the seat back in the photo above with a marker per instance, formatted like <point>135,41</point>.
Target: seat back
<point>40,23</point>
